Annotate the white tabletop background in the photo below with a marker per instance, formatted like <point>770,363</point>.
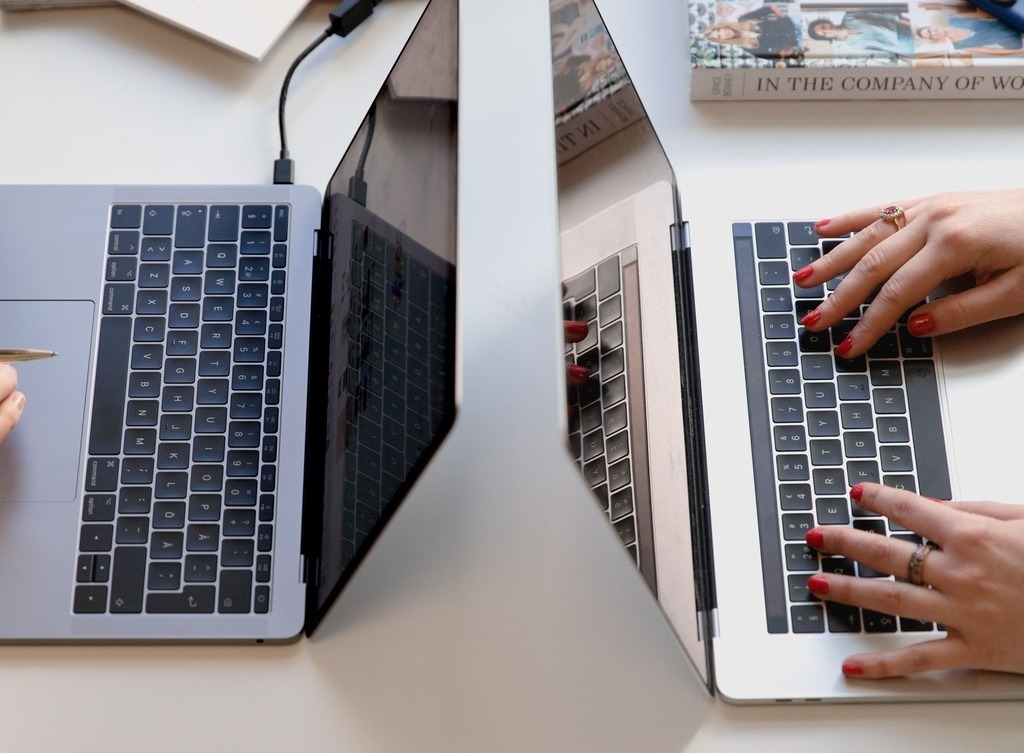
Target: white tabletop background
<point>497,613</point>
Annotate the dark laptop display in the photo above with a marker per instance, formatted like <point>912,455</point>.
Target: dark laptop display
<point>382,360</point>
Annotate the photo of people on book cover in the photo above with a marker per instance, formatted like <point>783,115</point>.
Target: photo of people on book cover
<point>846,33</point>
<point>585,61</point>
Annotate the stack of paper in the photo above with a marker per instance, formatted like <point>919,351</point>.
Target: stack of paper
<point>248,28</point>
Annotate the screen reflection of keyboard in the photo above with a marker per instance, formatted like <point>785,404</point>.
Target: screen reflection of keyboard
<point>607,425</point>
<point>821,423</point>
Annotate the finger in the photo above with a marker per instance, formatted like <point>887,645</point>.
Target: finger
<point>869,259</point>
<point>843,257</point>
<point>8,380</point>
<point>995,510</point>
<point>881,595</point>
<point>943,653</point>
<point>575,331</point>
<point>576,375</point>
<point>912,511</point>
<point>910,282</point>
<point>10,413</point>
<point>879,552</point>
<point>996,299</point>
<point>851,222</point>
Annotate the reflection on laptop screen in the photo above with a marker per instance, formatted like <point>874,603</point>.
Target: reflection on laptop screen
<point>382,380</point>
<point>633,422</point>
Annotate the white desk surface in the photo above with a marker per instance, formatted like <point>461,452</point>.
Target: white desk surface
<point>493,615</point>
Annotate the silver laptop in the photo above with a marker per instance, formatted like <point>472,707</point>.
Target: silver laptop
<point>714,432</point>
<point>248,379</point>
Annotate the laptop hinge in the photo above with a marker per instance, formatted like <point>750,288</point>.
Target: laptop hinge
<point>679,235</point>
<point>323,244</point>
<point>709,623</point>
<point>309,570</point>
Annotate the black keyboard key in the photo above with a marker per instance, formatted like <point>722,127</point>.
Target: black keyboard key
<point>281,213</point>
<point>771,240</point>
<point>99,508</point>
<point>234,595</point>
<point>802,233</point>
<point>842,618</point>
<point>257,216</point>
<point>190,226</point>
<point>121,270</point>
<point>223,223</point>
<point>795,496</point>
<point>90,599</point>
<point>191,600</point>
<point>123,242</point>
<point>112,383</point>
<point>164,576</point>
<point>125,216</point>
<point>254,242</point>
<point>875,622</point>
<point>150,302</point>
<point>808,618</point>
<point>102,474</point>
<point>158,219</point>
<point>95,537</point>
<point>128,578</point>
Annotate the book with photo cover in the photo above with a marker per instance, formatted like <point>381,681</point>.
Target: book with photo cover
<point>594,97</point>
<point>850,49</point>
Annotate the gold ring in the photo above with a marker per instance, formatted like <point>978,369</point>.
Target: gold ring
<point>894,214</point>
<point>916,563</point>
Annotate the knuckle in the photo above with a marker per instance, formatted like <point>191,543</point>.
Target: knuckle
<point>871,264</point>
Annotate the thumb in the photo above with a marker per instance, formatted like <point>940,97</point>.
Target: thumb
<point>997,298</point>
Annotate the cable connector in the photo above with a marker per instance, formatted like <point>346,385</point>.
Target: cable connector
<point>284,171</point>
<point>344,18</point>
<point>349,14</point>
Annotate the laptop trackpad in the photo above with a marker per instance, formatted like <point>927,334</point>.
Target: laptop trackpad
<point>40,460</point>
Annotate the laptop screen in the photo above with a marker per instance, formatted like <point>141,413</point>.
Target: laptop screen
<point>383,385</point>
<point>634,423</point>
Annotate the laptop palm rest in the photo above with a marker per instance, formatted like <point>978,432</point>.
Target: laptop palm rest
<point>40,461</point>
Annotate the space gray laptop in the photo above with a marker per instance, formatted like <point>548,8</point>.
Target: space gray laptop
<point>248,379</point>
<point>715,432</point>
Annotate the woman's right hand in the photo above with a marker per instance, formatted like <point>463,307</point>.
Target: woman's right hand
<point>11,401</point>
<point>945,236</point>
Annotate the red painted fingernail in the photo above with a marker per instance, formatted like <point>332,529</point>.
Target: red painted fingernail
<point>578,374</point>
<point>856,492</point>
<point>812,318</point>
<point>852,669</point>
<point>818,584</point>
<point>815,538</point>
<point>576,329</point>
<point>845,346</point>
<point>821,223</point>
<point>802,274</point>
<point>921,325</point>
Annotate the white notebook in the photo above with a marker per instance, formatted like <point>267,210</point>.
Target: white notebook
<point>249,27</point>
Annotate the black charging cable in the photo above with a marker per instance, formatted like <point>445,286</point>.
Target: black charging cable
<point>344,18</point>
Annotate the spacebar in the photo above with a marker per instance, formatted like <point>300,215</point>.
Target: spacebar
<point>926,423</point>
<point>110,386</point>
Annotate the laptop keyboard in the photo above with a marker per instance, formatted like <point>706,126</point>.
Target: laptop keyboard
<point>606,423</point>
<point>820,424</point>
<point>179,492</point>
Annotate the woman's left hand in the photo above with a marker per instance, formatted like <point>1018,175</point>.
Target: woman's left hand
<point>974,581</point>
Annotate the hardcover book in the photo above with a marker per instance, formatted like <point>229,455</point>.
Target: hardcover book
<point>844,49</point>
<point>594,97</point>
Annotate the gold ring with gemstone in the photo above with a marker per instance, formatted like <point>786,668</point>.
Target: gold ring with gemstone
<point>916,563</point>
<point>894,214</point>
